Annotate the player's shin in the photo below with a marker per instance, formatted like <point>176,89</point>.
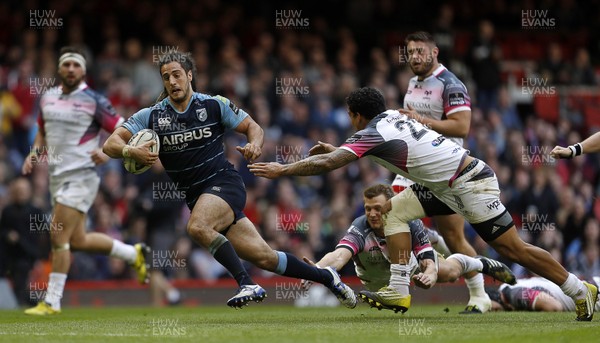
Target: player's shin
<point>290,265</point>
<point>223,252</point>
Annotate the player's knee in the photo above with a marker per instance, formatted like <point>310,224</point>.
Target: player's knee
<point>198,230</point>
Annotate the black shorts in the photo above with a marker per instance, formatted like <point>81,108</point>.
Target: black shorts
<point>227,185</point>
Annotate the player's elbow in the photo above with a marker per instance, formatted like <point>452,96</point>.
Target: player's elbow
<point>462,131</point>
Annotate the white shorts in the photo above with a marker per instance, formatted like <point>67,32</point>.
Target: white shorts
<point>475,195</point>
<point>76,189</point>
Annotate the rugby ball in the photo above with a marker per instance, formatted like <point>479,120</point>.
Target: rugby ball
<point>140,138</point>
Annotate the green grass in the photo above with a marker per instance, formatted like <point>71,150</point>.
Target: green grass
<point>266,323</point>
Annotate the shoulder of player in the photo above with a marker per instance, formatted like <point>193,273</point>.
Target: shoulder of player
<point>360,227</point>
<point>448,78</point>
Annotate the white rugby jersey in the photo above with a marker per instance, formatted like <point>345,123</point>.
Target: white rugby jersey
<point>438,96</point>
<point>71,125</point>
<point>406,147</point>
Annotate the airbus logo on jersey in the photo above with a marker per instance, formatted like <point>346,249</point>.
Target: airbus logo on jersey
<point>179,138</point>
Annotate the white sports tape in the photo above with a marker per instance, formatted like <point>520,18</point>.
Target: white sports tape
<point>74,57</point>
<point>64,247</point>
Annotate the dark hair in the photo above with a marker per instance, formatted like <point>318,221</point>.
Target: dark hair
<point>66,49</point>
<point>185,61</point>
<point>379,189</point>
<point>367,101</point>
<point>420,36</point>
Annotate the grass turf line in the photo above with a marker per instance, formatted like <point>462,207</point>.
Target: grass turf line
<point>266,324</point>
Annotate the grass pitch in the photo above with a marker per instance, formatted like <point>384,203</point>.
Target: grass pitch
<point>267,323</point>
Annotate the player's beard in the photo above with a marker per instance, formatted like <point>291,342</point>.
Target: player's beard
<point>70,83</point>
<point>184,95</point>
<point>424,68</point>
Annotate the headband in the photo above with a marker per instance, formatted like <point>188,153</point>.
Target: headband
<point>72,56</point>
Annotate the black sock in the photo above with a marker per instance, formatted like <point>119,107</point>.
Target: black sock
<point>226,256</point>
<point>300,270</point>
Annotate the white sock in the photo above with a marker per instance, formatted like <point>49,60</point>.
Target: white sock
<point>123,251</point>
<point>467,263</point>
<point>173,295</point>
<point>476,286</point>
<point>56,286</point>
<point>400,279</point>
<point>574,288</point>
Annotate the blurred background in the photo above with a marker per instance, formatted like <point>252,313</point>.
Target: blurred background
<point>532,70</point>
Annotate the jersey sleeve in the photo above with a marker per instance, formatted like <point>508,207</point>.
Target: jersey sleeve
<point>521,298</point>
<point>455,97</point>
<point>231,115</point>
<point>106,115</point>
<point>353,240</point>
<point>421,246</point>
<point>139,121</point>
<point>362,141</point>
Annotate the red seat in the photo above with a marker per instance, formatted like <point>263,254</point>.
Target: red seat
<point>592,116</point>
<point>547,107</point>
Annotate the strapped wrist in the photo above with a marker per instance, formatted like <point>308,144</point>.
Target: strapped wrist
<point>576,150</point>
<point>125,152</point>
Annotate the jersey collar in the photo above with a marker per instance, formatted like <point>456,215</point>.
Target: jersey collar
<point>435,73</point>
<point>79,88</point>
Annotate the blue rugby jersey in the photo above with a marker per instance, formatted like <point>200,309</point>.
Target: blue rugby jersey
<point>191,142</point>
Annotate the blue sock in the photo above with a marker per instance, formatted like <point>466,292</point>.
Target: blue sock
<point>223,252</point>
<point>290,265</point>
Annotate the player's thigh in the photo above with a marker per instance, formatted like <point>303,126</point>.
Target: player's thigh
<point>405,207</point>
<point>210,212</point>
<point>250,246</point>
<point>477,201</point>
<point>66,221</point>
<point>509,244</point>
<point>450,225</point>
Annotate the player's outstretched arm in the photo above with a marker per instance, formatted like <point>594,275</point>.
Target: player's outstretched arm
<point>312,165</point>
<point>336,259</point>
<point>428,277</point>
<point>321,148</point>
<point>589,145</point>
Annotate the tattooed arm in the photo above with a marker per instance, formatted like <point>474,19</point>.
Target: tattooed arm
<point>313,165</point>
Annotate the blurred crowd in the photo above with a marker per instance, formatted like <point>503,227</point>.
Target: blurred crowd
<point>293,77</point>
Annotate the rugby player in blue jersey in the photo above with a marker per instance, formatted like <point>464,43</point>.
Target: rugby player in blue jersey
<point>191,127</point>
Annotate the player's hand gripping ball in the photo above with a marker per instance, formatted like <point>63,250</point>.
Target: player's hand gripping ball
<point>141,137</point>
